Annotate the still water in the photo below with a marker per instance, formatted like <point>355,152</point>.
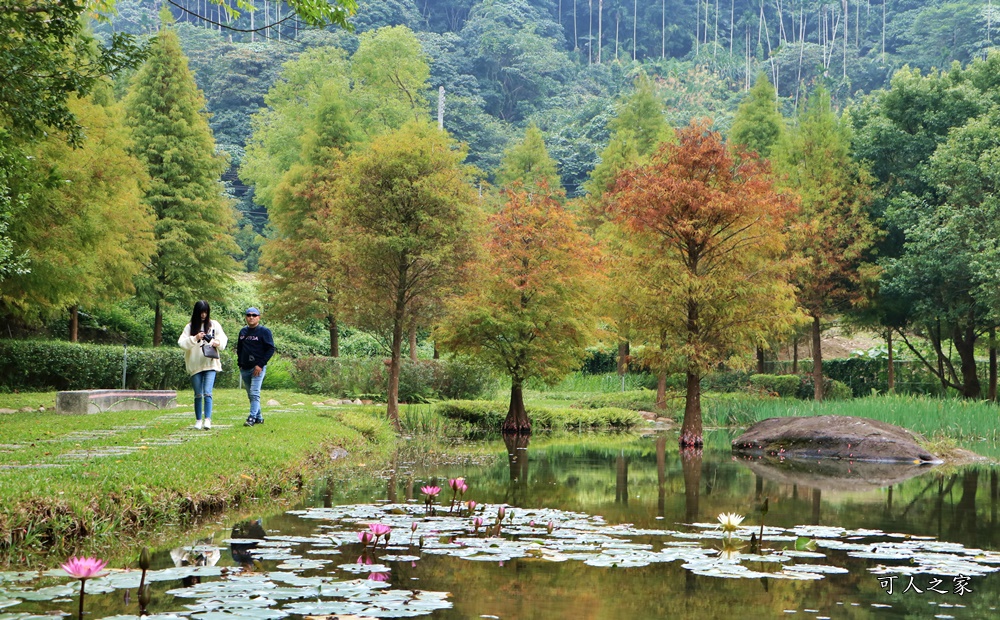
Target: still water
<point>595,527</point>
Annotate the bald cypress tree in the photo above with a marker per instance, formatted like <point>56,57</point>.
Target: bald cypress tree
<point>528,162</point>
<point>758,125</point>
<point>194,219</point>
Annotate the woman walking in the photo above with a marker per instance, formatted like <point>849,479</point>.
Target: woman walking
<point>202,339</point>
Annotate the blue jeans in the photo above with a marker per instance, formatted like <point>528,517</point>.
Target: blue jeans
<point>253,384</point>
<point>203,382</point>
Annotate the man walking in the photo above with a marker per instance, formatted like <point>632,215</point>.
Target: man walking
<point>253,350</point>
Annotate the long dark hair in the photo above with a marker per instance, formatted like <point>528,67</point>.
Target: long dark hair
<point>196,323</point>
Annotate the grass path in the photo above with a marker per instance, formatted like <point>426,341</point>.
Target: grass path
<point>101,481</point>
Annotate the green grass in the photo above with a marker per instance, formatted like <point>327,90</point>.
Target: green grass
<point>931,417</point>
<point>106,479</point>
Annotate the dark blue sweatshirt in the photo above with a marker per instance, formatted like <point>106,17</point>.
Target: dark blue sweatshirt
<point>255,347</point>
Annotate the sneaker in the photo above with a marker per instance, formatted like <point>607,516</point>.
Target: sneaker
<point>259,421</point>
<point>197,425</point>
<point>249,422</point>
<point>208,424</point>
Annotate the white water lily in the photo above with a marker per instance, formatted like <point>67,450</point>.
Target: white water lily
<point>730,521</point>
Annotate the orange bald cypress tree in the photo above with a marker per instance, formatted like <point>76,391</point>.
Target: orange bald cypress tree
<point>531,313</point>
<point>702,238</point>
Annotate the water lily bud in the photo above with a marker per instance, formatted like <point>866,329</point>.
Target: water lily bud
<point>500,513</point>
<point>144,558</point>
<point>413,526</point>
<point>551,526</point>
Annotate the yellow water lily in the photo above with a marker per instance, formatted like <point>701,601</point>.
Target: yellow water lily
<point>730,521</point>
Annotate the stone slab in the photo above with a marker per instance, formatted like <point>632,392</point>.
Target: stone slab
<point>79,402</point>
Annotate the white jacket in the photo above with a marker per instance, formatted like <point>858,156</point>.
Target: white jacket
<point>194,359</point>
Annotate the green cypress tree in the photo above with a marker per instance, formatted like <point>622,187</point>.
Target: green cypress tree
<point>529,163</point>
<point>638,129</point>
<point>758,125</point>
<point>194,219</point>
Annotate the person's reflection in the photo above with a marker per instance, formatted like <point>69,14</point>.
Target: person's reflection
<point>252,532</point>
<point>517,458</point>
<point>195,555</point>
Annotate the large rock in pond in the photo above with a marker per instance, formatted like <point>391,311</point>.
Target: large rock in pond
<point>832,437</point>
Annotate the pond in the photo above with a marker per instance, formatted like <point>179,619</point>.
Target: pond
<point>594,527</point>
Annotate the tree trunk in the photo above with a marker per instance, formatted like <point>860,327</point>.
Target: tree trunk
<point>623,350</point>
<point>600,28</point>
<point>437,354</point>
<point>395,363</point>
<point>331,322</point>
<point>817,361</point>
<point>760,360</point>
<point>661,390</point>
<point>517,417</point>
<point>74,323</point>
<point>691,428</point>
<point>965,344</point>
<point>891,375</point>
<point>413,341</point>
<point>795,355</point>
<point>157,324</point>
<point>992,389</point>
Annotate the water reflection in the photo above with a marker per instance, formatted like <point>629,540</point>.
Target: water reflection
<point>203,553</point>
<point>245,537</point>
<point>619,479</point>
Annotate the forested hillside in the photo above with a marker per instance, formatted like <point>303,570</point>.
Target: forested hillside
<point>562,63</point>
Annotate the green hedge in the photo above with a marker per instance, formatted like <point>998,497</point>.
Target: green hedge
<point>489,416</point>
<point>635,400</point>
<point>41,365</point>
<point>419,381</point>
<point>786,386</point>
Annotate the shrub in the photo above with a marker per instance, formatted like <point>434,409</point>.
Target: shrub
<point>483,414</point>
<point>786,386</point>
<point>419,381</point>
<point>832,389</point>
<point>634,400</point>
<point>34,365</point>
<point>600,361</point>
<point>489,416</point>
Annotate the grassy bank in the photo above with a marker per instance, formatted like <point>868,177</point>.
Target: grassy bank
<point>932,417</point>
<point>97,482</point>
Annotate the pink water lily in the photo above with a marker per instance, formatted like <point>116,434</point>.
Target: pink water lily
<point>430,491</point>
<point>84,568</point>
<point>456,483</point>
<point>378,577</point>
<point>365,537</point>
<point>379,529</point>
